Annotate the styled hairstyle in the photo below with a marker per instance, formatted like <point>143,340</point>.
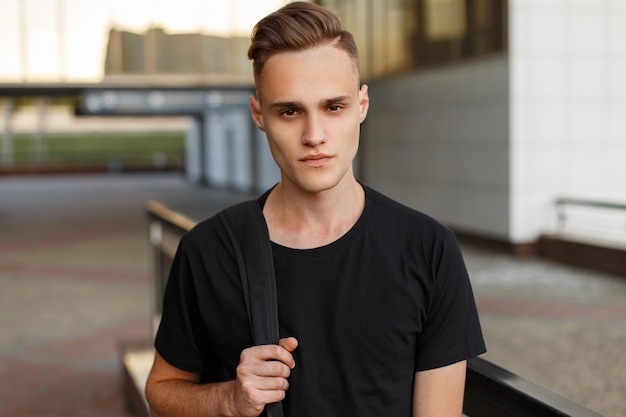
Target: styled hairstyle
<point>295,27</point>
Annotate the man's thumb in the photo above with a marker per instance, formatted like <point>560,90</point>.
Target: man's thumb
<point>288,343</point>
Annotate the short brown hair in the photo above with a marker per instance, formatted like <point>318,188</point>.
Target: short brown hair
<point>295,27</point>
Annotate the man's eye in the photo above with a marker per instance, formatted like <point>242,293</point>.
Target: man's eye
<point>334,107</point>
<point>288,112</point>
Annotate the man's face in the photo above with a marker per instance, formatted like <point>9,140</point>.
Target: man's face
<point>310,106</point>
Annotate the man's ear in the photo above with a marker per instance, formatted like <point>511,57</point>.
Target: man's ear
<point>255,111</point>
<point>364,102</point>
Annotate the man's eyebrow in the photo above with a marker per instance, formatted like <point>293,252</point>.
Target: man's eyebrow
<point>286,105</point>
<point>338,99</point>
<point>299,105</point>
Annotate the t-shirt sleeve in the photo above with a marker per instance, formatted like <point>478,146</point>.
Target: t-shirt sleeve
<point>176,341</point>
<point>451,332</point>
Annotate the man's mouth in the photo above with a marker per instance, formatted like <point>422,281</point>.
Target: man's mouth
<point>316,160</point>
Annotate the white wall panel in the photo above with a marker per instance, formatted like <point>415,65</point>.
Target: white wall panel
<point>216,150</point>
<point>267,170</point>
<point>240,169</point>
<point>488,146</point>
<point>568,96</point>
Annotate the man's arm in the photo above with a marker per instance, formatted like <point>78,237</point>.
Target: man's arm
<point>261,379</point>
<point>439,392</point>
<point>174,392</point>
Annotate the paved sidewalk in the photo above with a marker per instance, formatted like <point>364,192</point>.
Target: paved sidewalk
<point>75,283</point>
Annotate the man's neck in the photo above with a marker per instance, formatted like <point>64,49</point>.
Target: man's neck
<point>303,220</point>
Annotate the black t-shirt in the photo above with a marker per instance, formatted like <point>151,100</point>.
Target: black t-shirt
<point>387,299</point>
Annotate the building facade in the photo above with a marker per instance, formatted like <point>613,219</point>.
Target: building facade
<point>159,57</point>
<point>483,112</point>
<point>486,141</point>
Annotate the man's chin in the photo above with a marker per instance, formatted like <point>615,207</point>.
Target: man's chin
<point>320,184</point>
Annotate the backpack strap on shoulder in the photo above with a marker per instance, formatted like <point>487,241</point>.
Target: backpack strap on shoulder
<point>247,231</point>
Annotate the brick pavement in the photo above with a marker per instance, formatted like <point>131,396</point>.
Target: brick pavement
<point>560,327</point>
<point>74,273</point>
<point>75,279</point>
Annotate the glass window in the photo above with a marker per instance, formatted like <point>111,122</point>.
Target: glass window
<point>396,36</point>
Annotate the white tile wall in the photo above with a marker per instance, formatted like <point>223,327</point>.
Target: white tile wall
<point>568,105</point>
<point>488,146</point>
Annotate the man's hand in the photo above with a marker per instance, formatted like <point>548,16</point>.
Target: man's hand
<point>262,376</point>
<point>261,379</point>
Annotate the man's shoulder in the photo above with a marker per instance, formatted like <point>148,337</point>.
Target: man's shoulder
<point>393,209</point>
<point>206,239</point>
<point>211,231</point>
<point>204,229</point>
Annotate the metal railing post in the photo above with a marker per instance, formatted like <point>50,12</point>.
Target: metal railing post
<point>8,153</point>
<point>156,239</point>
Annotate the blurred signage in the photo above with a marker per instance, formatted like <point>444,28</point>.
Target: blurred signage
<point>159,101</point>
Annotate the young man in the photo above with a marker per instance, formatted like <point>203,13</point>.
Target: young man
<point>376,312</point>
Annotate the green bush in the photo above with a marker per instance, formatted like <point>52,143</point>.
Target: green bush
<point>160,150</point>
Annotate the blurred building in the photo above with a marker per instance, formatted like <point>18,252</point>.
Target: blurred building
<point>400,36</point>
<point>484,112</point>
<point>179,58</point>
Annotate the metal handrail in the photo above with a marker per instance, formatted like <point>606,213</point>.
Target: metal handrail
<point>601,220</point>
<point>170,218</point>
<point>589,203</point>
<point>490,391</point>
<point>162,220</point>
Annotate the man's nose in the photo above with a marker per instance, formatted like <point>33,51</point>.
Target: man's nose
<point>314,132</point>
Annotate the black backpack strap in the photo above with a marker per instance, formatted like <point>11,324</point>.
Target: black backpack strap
<point>249,236</point>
